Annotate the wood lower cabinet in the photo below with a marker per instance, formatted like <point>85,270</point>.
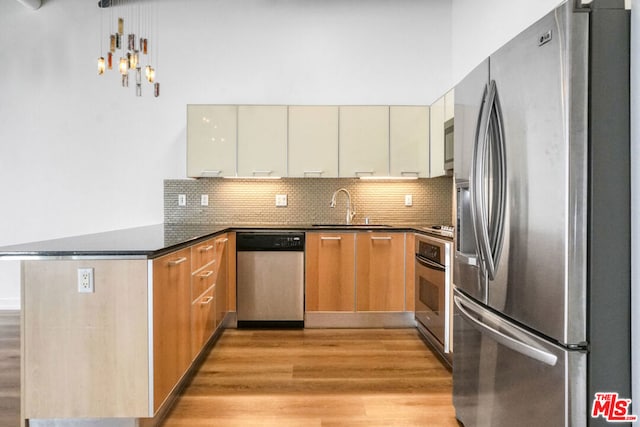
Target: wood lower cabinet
<point>330,272</point>
<point>380,272</point>
<point>222,278</point>
<point>171,322</point>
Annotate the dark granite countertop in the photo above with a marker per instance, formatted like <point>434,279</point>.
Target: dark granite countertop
<point>156,240</point>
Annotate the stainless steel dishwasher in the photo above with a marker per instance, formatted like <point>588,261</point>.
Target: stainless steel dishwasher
<point>270,279</point>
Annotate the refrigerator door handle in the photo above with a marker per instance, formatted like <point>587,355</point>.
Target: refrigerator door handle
<point>499,182</point>
<point>475,181</point>
<point>504,339</point>
<point>490,247</point>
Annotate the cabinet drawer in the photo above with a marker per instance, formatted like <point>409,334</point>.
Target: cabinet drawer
<point>202,254</point>
<point>203,279</point>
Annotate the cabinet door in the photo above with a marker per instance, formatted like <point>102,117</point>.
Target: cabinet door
<point>211,140</point>
<point>222,260</point>
<point>409,141</point>
<point>449,99</point>
<point>203,320</point>
<point>330,272</point>
<point>171,322</point>
<point>364,141</point>
<point>262,140</point>
<point>380,272</point>
<point>313,141</point>
<point>436,144</point>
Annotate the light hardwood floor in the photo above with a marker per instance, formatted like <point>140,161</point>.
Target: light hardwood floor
<point>9,368</point>
<point>328,378</point>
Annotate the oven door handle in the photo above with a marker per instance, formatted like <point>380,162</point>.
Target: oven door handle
<point>428,263</point>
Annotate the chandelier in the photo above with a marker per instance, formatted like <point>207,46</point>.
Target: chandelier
<point>130,35</point>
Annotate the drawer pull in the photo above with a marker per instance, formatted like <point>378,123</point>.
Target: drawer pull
<point>262,172</point>
<point>206,248</point>
<point>416,173</point>
<point>206,300</point>
<point>206,173</point>
<point>206,274</point>
<point>220,241</point>
<point>330,238</point>
<point>380,238</point>
<point>371,173</point>
<point>318,172</point>
<point>177,261</point>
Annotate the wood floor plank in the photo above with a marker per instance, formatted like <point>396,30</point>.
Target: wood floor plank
<point>325,378</point>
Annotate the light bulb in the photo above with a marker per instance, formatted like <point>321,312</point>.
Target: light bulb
<point>133,60</point>
<point>101,65</point>
<point>156,89</point>
<point>110,61</point>
<point>124,66</point>
<point>120,26</point>
<point>112,43</point>
<point>152,75</point>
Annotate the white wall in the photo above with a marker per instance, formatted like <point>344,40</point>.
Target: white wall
<point>80,154</point>
<point>481,27</point>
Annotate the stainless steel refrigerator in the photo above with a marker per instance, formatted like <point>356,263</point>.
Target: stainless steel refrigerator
<point>542,262</point>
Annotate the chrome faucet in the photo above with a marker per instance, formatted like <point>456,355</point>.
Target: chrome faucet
<point>350,213</point>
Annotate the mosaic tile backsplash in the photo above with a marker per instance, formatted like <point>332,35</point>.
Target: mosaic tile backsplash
<point>250,201</point>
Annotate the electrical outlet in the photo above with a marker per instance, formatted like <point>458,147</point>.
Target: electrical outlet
<point>204,200</point>
<point>85,280</point>
<point>408,200</point>
<point>281,200</point>
<point>182,200</point>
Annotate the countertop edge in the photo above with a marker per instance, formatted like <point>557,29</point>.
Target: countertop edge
<point>25,255</point>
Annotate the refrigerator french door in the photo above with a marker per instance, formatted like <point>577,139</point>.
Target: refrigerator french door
<point>542,180</point>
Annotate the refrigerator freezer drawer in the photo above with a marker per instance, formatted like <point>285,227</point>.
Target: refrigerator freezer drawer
<point>505,376</point>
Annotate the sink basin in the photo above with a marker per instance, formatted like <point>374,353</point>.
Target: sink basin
<point>350,225</point>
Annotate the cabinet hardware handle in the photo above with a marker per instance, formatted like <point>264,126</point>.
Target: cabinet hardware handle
<point>380,238</point>
<point>177,261</point>
<point>205,173</point>
<point>318,172</point>
<point>416,173</point>
<point>206,274</point>
<point>220,241</point>
<point>330,238</point>
<point>262,172</point>
<point>206,248</point>
<point>371,172</point>
<point>206,300</point>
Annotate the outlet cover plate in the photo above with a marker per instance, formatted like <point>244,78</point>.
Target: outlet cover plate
<point>408,200</point>
<point>281,200</point>
<point>85,281</point>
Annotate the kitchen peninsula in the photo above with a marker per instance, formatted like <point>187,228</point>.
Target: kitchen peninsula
<point>119,343</point>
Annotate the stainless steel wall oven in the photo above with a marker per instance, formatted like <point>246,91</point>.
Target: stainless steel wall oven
<point>433,291</point>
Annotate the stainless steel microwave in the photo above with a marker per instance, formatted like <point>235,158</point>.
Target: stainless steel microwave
<point>448,145</point>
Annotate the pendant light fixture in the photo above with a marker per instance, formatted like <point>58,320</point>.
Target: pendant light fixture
<point>132,30</point>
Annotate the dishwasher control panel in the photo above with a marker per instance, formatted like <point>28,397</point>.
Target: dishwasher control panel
<point>270,241</point>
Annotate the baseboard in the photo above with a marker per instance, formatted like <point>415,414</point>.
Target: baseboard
<point>9,304</point>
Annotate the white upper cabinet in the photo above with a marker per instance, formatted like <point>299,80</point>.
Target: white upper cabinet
<point>448,105</point>
<point>409,141</point>
<point>364,141</point>
<point>211,140</point>
<point>436,142</point>
<point>262,140</point>
<point>313,141</point>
